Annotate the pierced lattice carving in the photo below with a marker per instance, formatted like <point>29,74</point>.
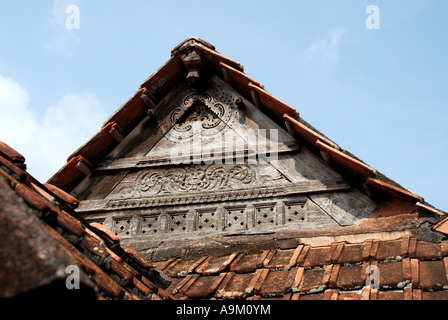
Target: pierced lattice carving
<point>122,227</point>
<point>149,225</point>
<point>207,220</point>
<point>177,223</point>
<point>265,215</point>
<point>235,219</point>
<point>296,212</point>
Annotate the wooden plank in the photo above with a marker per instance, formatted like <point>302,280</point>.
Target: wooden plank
<point>207,156</point>
<point>251,119</point>
<point>304,166</point>
<point>274,104</point>
<point>347,208</point>
<point>238,78</point>
<point>292,189</point>
<point>348,162</point>
<point>392,190</point>
<point>307,133</point>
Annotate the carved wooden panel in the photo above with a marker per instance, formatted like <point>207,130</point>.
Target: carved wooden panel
<point>122,227</point>
<point>240,217</point>
<point>266,215</point>
<point>144,193</point>
<point>207,220</point>
<point>296,212</point>
<point>177,222</point>
<point>149,225</point>
<point>195,179</point>
<point>235,218</point>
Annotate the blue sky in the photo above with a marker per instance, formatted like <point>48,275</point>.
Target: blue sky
<point>380,94</point>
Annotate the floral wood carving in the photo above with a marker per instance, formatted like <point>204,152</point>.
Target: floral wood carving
<point>198,179</point>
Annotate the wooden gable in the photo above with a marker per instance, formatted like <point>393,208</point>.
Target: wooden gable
<point>202,150</point>
<point>202,164</point>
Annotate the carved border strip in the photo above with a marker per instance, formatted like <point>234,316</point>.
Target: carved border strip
<point>227,219</point>
<point>295,188</point>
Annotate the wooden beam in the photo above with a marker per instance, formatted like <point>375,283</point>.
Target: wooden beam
<point>239,103</point>
<point>307,133</point>
<point>392,190</point>
<point>348,162</point>
<point>272,103</point>
<point>430,209</point>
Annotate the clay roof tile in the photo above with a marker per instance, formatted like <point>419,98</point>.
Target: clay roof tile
<point>11,154</point>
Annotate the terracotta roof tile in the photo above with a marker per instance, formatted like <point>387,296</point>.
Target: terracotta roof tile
<point>314,296</point>
<point>11,154</point>
<point>353,295</point>
<point>105,231</point>
<point>248,263</point>
<point>119,270</point>
<point>177,284</point>
<point>97,147</point>
<point>442,226</point>
<point>317,276</point>
<point>349,277</point>
<point>234,286</point>
<point>71,173</point>
<point>238,78</point>
<point>393,190</point>
<point>139,258</point>
<point>312,281</point>
<point>389,250</point>
<point>427,251</point>
<point>331,294</point>
<point>277,283</point>
<point>282,259</point>
<point>93,248</point>
<point>350,253</point>
<point>12,170</point>
<point>432,275</point>
<point>181,268</point>
<point>435,295</point>
<point>202,287</point>
<point>313,257</point>
<point>392,275</point>
<point>164,265</point>
<point>350,163</point>
<point>275,105</point>
<point>215,265</point>
<point>70,224</point>
<point>256,281</point>
<point>64,196</point>
<point>390,295</point>
<point>141,288</point>
<point>307,133</point>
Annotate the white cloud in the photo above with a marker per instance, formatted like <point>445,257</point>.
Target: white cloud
<point>46,140</point>
<point>324,53</point>
<point>62,39</point>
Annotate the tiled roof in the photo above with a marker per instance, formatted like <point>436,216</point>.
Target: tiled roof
<point>153,89</point>
<point>406,269</point>
<point>48,235</point>
<point>41,235</point>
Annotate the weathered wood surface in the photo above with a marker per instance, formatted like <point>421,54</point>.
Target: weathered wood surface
<point>148,186</point>
<point>257,192</point>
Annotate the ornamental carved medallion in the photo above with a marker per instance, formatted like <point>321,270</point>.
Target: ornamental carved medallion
<point>201,114</point>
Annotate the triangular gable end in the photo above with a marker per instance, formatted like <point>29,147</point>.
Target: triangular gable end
<point>208,152</point>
